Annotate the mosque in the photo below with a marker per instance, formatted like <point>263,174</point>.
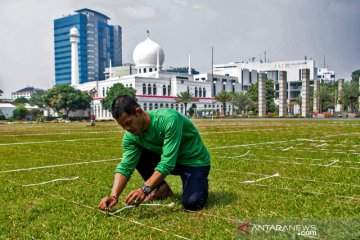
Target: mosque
<point>157,87</point>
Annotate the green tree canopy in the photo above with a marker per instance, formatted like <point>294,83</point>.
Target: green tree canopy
<point>223,97</point>
<point>253,92</point>
<point>22,100</point>
<point>185,98</point>
<point>67,98</point>
<point>355,75</point>
<point>240,100</point>
<point>351,93</point>
<point>115,91</point>
<point>20,112</point>
<point>36,98</point>
<point>326,96</point>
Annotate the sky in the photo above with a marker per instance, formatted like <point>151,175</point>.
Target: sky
<point>237,30</point>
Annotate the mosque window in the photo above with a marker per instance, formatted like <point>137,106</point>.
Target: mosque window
<point>169,90</point>
<point>156,106</point>
<point>144,89</point>
<point>200,92</point>
<point>161,105</point>
<point>188,89</point>
<point>196,92</point>
<point>149,89</point>
<point>150,69</point>
<point>172,105</point>
<point>145,107</point>
<point>154,89</point>
<point>204,92</point>
<point>150,106</point>
<point>164,90</point>
<point>144,70</point>
<point>167,105</point>
<point>103,92</point>
<point>139,70</point>
<point>176,107</point>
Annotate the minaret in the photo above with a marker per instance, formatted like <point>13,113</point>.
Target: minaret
<point>189,71</point>
<point>74,40</point>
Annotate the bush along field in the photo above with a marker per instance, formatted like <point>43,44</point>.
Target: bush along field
<point>269,179</point>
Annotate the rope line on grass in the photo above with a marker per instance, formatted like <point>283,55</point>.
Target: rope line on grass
<point>283,177</point>
<point>51,181</point>
<point>59,165</point>
<point>55,141</point>
<point>105,212</point>
<point>296,190</point>
<point>297,163</point>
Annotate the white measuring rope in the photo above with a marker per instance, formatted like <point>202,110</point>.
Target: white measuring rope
<point>286,149</point>
<point>260,179</point>
<point>55,180</point>
<point>330,164</point>
<point>321,145</point>
<point>58,165</point>
<point>55,141</point>
<point>170,205</point>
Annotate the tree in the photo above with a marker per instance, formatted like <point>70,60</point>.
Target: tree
<point>36,98</point>
<point>185,98</point>
<point>240,100</point>
<point>67,98</point>
<point>351,93</point>
<point>115,91</point>
<point>22,100</point>
<point>355,75</point>
<point>1,92</point>
<point>326,97</point>
<point>253,92</point>
<point>20,112</point>
<point>223,97</point>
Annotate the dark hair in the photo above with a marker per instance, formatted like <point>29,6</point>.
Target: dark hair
<point>123,103</point>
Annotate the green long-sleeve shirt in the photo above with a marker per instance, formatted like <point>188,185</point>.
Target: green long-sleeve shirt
<point>170,134</point>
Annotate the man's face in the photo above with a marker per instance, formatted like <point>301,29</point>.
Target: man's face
<point>134,124</point>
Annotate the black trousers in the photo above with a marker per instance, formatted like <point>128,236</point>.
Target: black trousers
<point>194,179</point>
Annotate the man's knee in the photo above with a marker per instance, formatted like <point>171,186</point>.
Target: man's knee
<point>194,202</point>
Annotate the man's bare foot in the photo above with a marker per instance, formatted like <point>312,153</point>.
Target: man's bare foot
<point>164,191</point>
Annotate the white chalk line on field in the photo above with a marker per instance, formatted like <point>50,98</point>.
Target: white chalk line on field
<point>289,178</point>
<point>51,181</point>
<point>59,165</point>
<point>56,141</point>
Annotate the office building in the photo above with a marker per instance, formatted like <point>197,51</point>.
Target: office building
<point>98,44</point>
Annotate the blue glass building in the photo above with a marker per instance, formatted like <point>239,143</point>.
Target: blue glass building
<point>99,43</point>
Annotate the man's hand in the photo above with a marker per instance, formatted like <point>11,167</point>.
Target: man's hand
<point>135,197</point>
<point>108,202</point>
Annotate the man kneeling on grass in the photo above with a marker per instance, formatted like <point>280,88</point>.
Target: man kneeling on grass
<point>158,143</point>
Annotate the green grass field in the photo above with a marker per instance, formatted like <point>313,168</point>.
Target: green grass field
<point>318,162</point>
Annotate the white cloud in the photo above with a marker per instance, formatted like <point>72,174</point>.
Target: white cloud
<point>197,7</point>
<point>140,12</point>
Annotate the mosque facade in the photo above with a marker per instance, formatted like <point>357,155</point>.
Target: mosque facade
<point>158,88</point>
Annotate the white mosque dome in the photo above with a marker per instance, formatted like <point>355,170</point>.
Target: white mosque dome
<point>146,53</point>
<point>74,31</point>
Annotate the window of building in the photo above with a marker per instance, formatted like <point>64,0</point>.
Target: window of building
<point>200,92</point>
<point>172,106</point>
<point>204,92</point>
<point>144,70</point>
<point>164,90</point>
<point>150,106</point>
<point>161,105</point>
<point>156,106</point>
<point>250,77</point>
<point>150,69</point>
<point>139,70</point>
<point>103,92</point>
<point>144,89</point>
<point>196,92</point>
<point>188,89</point>
<point>149,89</point>
<point>169,90</point>
<point>167,105</point>
<point>154,89</point>
<point>145,107</point>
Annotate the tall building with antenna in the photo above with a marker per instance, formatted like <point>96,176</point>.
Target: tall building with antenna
<point>97,44</point>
